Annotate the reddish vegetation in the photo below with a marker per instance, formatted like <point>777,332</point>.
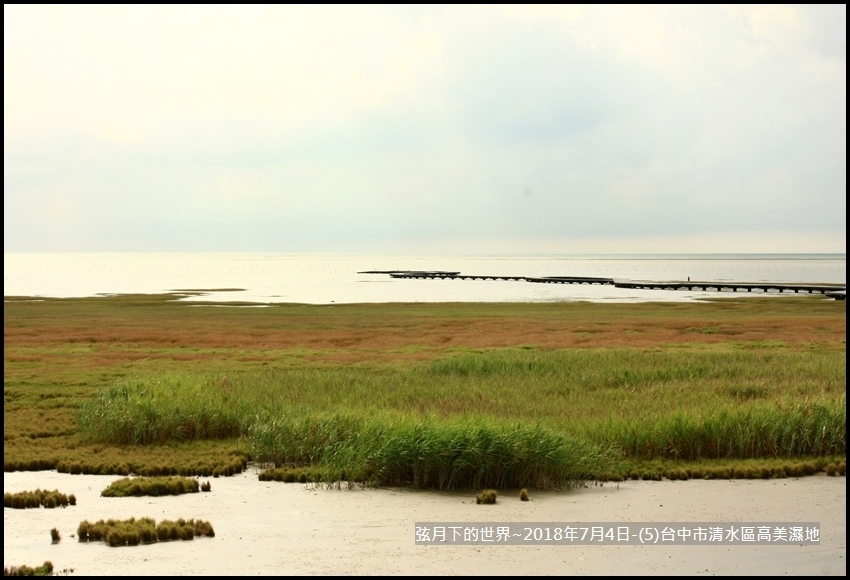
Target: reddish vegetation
<point>101,335</point>
<point>475,332</point>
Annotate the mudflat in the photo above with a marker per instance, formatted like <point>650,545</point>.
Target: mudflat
<point>269,528</point>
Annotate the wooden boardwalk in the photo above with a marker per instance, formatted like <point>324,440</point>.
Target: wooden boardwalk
<point>764,287</point>
<point>836,291</point>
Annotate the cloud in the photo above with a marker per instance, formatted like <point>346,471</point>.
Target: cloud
<point>297,128</point>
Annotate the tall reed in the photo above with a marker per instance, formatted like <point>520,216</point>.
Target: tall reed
<point>431,453</point>
<point>498,418</point>
<point>817,428</point>
<point>170,408</point>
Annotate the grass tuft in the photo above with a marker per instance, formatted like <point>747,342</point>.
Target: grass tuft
<point>151,486</point>
<point>45,569</point>
<point>133,532</point>
<point>38,498</point>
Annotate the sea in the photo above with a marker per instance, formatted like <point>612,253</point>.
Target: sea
<point>307,278</point>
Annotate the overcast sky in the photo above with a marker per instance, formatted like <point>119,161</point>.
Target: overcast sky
<point>425,129</point>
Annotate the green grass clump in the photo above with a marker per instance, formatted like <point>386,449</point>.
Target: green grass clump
<point>813,428</point>
<point>199,408</point>
<point>152,486</point>
<point>430,454</point>
<point>133,532</point>
<point>488,496</point>
<point>38,498</point>
<point>45,569</point>
<point>153,461</point>
<point>182,530</point>
<point>758,468</point>
<point>295,474</point>
<point>523,494</point>
<point>55,536</point>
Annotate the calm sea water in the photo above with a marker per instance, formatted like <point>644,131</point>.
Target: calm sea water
<point>336,278</point>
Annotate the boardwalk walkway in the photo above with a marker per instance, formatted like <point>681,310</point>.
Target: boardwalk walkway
<point>836,291</point>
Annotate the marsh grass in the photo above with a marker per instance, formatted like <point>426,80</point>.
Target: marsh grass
<point>151,486</point>
<point>199,408</point>
<point>38,498</point>
<point>449,454</point>
<point>510,417</point>
<point>45,569</point>
<point>755,430</point>
<point>133,532</point>
<point>762,468</point>
<point>454,395</point>
<point>295,474</point>
<point>55,536</point>
<point>157,460</point>
<point>488,496</point>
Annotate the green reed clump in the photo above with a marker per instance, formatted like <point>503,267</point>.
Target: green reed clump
<point>430,454</point>
<point>738,374</point>
<point>133,532</point>
<point>561,387</point>
<point>488,496</point>
<point>45,569</point>
<point>38,498</point>
<point>174,408</point>
<point>492,418</point>
<point>755,430</point>
<point>523,494</point>
<point>151,486</point>
<point>55,536</point>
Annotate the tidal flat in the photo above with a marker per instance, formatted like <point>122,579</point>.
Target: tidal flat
<point>422,400</point>
<point>272,529</point>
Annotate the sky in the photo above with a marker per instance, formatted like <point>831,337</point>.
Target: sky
<point>464,129</point>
